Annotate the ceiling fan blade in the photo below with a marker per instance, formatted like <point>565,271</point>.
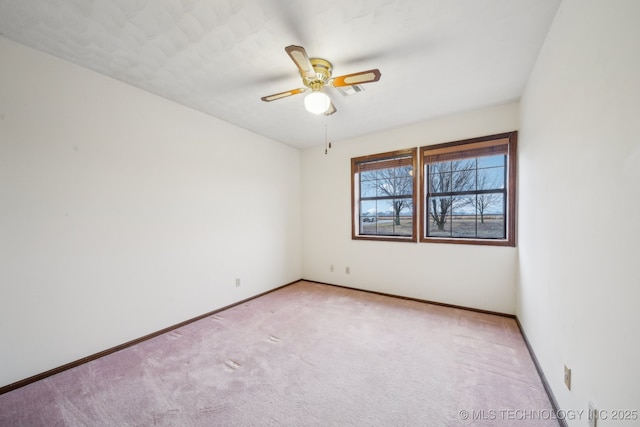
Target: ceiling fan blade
<point>300,57</point>
<point>368,76</point>
<point>332,109</point>
<point>280,95</point>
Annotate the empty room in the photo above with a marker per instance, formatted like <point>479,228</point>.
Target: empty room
<point>374,212</point>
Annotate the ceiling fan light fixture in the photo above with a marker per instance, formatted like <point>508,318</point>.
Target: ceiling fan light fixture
<point>316,74</point>
<point>317,102</point>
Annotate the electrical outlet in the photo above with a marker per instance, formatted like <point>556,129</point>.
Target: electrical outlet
<point>237,282</point>
<point>347,270</point>
<point>592,416</point>
<point>567,377</point>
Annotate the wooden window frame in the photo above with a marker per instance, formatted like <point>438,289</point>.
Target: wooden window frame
<point>367,162</point>
<point>505,143</point>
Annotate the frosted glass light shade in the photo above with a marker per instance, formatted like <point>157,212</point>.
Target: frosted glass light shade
<point>317,102</point>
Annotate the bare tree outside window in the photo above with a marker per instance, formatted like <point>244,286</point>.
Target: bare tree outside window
<point>396,183</point>
<point>484,202</point>
<point>445,178</point>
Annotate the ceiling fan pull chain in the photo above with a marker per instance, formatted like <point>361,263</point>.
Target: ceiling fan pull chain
<point>327,143</point>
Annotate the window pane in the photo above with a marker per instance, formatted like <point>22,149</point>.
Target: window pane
<point>368,208</point>
<point>383,201</point>
<point>440,177</point>
<point>459,175</point>
<point>396,218</point>
<point>491,172</point>
<point>368,189</point>
<point>388,217</point>
<point>463,180</point>
<point>463,219</point>
<point>464,164</point>
<point>394,182</point>
<point>491,178</point>
<point>476,216</point>
<point>491,161</point>
<point>469,190</point>
<point>491,216</point>
<point>368,175</point>
<point>492,227</point>
<point>439,218</point>
<point>368,216</point>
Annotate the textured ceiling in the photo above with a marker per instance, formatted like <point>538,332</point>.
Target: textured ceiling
<point>221,56</point>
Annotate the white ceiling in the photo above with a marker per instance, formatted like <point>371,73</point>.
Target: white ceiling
<point>221,56</point>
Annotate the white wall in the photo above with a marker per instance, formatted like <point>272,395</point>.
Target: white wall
<point>473,276</point>
<point>122,213</point>
<point>579,280</point>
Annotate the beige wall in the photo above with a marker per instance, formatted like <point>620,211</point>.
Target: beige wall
<point>122,213</point>
<point>579,280</point>
<point>473,276</point>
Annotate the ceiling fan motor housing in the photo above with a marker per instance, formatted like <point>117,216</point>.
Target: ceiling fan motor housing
<point>323,69</point>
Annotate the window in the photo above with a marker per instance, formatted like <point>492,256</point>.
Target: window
<point>468,191</point>
<point>384,196</point>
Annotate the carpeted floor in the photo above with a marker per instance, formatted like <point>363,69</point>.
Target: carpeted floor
<point>305,355</point>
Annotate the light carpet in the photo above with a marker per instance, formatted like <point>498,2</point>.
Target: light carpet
<point>304,355</point>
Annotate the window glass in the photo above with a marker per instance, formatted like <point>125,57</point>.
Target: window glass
<point>468,191</point>
<point>384,193</point>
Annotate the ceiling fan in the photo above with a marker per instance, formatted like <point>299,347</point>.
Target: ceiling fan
<point>316,74</point>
